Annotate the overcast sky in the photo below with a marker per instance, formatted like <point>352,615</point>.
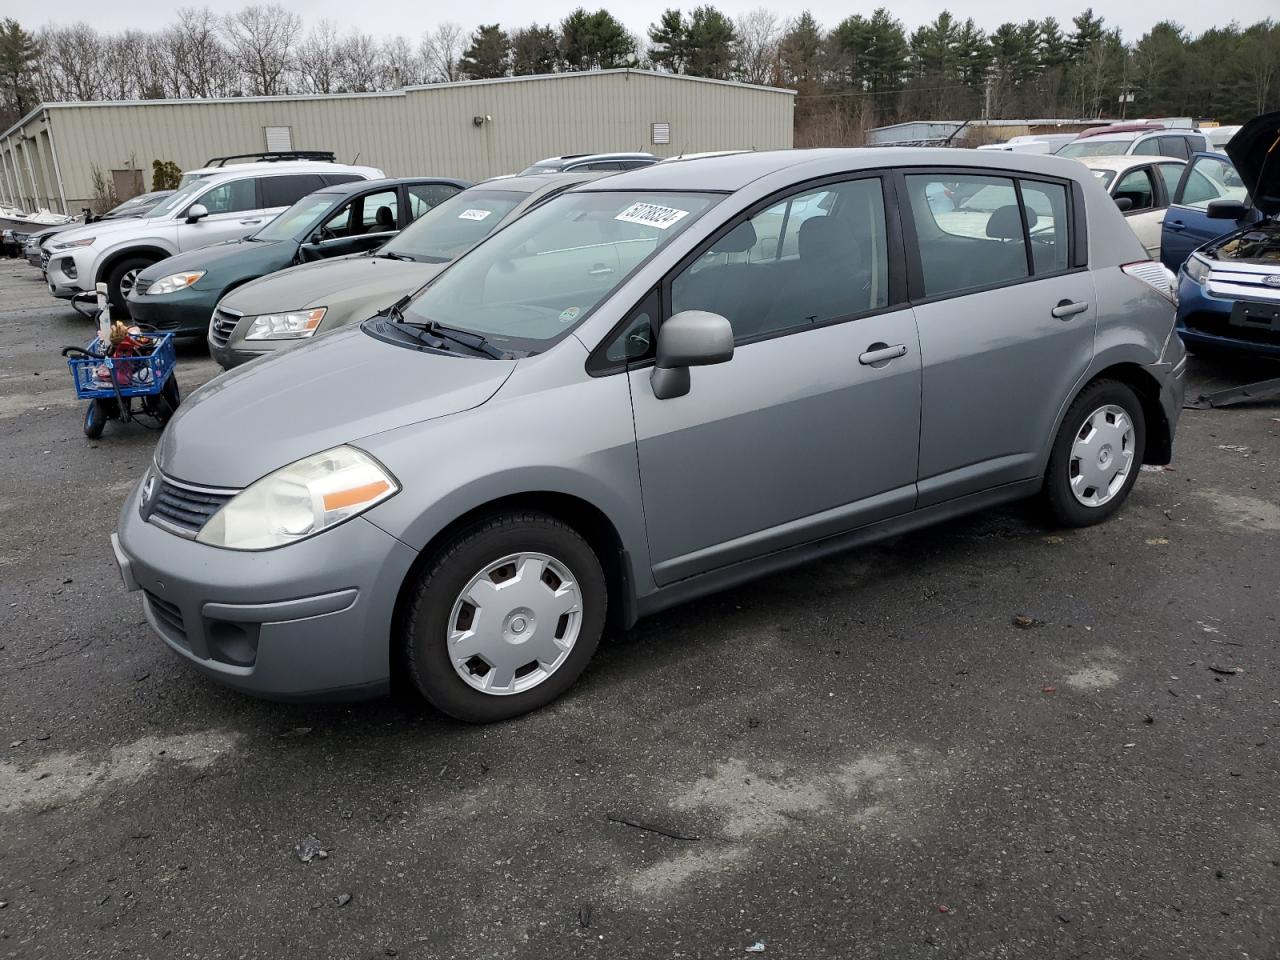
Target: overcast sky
<point>412,17</point>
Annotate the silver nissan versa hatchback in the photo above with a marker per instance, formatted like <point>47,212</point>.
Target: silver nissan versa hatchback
<point>651,387</point>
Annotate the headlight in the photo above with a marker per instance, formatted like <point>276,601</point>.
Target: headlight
<point>293,325</point>
<point>174,282</point>
<point>1197,269</point>
<point>87,241</point>
<point>300,500</point>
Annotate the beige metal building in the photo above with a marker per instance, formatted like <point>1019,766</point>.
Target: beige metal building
<point>473,129</point>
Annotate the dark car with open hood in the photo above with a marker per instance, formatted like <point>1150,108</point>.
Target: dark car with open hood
<point>1229,288</point>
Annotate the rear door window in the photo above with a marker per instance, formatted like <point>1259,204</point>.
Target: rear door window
<point>969,231</point>
<point>1048,225</point>
<point>1174,147</point>
<point>1150,147</point>
<point>286,190</point>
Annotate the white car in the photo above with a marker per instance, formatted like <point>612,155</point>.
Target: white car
<point>1141,188</point>
<point>1137,139</point>
<point>226,205</point>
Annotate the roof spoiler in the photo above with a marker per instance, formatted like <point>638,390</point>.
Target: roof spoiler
<point>274,156</point>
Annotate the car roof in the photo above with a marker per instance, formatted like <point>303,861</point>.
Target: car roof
<point>287,166</point>
<point>730,173</point>
<point>361,186</point>
<point>581,157</point>
<point>1121,164</point>
<point>536,182</point>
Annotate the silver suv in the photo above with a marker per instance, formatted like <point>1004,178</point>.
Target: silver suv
<point>649,388</point>
<point>220,206</point>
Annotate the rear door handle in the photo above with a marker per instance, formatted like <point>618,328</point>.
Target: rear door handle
<point>1176,225</point>
<point>254,220</point>
<point>879,353</point>
<point>1067,309</point>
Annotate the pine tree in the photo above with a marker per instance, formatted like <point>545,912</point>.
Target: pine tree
<point>19,51</point>
<point>489,55</point>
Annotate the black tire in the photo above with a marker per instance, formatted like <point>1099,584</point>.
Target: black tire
<point>448,572</point>
<point>1058,496</point>
<point>95,419</point>
<point>165,404</point>
<point>119,303</point>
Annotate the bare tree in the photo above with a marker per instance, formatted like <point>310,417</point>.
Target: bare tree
<point>263,40</point>
<point>759,33</point>
<point>201,63</point>
<point>401,65</point>
<point>359,63</point>
<point>72,64</point>
<point>317,59</point>
<point>441,50</point>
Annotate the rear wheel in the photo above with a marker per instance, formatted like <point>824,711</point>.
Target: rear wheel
<point>95,419</point>
<point>505,618</point>
<point>1097,455</point>
<point>120,281</point>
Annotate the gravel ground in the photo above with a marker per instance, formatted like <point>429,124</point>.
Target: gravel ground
<point>862,758</point>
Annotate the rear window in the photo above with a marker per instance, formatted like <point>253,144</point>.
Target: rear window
<point>973,232</point>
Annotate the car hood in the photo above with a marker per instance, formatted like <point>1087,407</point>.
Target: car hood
<point>337,389</point>
<point>106,228</point>
<point>220,255</point>
<point>1255,151</point>
<point>352,288</point>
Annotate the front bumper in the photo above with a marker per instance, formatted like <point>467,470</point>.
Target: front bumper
<point>1205,321</point>
<point>61,283</point>
<point>184,314</point>
<point>308,621</point>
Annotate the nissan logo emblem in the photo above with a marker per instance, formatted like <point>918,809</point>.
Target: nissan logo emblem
<point>148,496</point>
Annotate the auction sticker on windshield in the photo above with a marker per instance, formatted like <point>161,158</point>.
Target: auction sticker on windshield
<point>652,215</point>
<point>474,214</point>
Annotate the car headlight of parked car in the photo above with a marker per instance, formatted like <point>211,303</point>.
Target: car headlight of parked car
<point>87,241</point>
<point>1197,269</point>
<point>294,325</point>
<point>300,500</point>
<point>174,282</point>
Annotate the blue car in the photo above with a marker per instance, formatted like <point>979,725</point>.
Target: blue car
<point>1222,237</point>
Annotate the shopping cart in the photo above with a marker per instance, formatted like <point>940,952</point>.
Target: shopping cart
<point>110,380</point>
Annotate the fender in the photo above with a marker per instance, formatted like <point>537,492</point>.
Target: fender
<point>143,246</point>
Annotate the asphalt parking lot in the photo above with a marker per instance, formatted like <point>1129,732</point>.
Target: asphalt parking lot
<point>992,739</point>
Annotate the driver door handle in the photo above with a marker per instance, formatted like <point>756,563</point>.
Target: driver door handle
<point>252,220</point>
<point>1065,309</point>
<point>1176,225</point>
<point>881,354</point>
<point>599,270</point>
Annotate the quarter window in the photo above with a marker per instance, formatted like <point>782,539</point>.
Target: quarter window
<point>1046,204</point>
<point>969,230</point>
<point>814,257</point>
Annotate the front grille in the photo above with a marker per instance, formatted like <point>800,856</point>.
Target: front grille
<point>183,508</point>
<point>1219,325</point>
<point>223,324</point>
<point>168,615</point>
<point>44,260</point>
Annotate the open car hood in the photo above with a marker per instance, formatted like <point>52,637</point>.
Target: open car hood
<point>1255,151</point>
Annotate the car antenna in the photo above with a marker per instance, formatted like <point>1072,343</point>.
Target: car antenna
<point>354,159</point>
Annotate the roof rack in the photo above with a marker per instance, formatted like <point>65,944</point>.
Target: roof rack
<point>274,156</point>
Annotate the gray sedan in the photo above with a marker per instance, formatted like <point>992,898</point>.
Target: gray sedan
<point>644,390</point>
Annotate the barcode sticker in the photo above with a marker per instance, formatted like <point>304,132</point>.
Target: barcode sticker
<point>652,215</point>
<point>474,214</point>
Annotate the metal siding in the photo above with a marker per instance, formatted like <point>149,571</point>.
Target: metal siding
<point>429,130</point>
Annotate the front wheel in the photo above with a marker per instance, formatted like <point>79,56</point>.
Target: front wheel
<point>95,419</point>
<point>120,282</point>
<point>505,617</point>
<point>1097,455</point>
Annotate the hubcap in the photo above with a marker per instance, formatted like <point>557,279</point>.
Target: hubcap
<point>1101,455</point>
<point>514,623</point>
<point>127,281</point>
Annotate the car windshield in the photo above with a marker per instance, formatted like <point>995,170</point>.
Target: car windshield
<point>297,220</point>
<point>554,167</point>
<point>534,281</point>
<point>190,178</point>
<point>1096,148</point>
<point>450,229</point>
<point>177,200</point>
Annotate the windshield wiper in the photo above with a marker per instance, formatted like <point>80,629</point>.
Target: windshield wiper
<point>471,340</point>
<point>395,256</point>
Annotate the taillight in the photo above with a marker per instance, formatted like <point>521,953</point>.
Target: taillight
<point>1155,275</point>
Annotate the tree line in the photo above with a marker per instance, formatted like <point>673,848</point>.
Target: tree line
<point>863,71</point>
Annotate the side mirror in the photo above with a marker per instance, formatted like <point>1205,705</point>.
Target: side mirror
<point>691,338</point>
<point>197,211</point>
<point>1226,210</point>
<point>1124,203</point>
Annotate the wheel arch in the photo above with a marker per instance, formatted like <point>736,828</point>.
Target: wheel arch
<point>108,262</point>
<point>580,514</point>
<point>1159,447</point>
